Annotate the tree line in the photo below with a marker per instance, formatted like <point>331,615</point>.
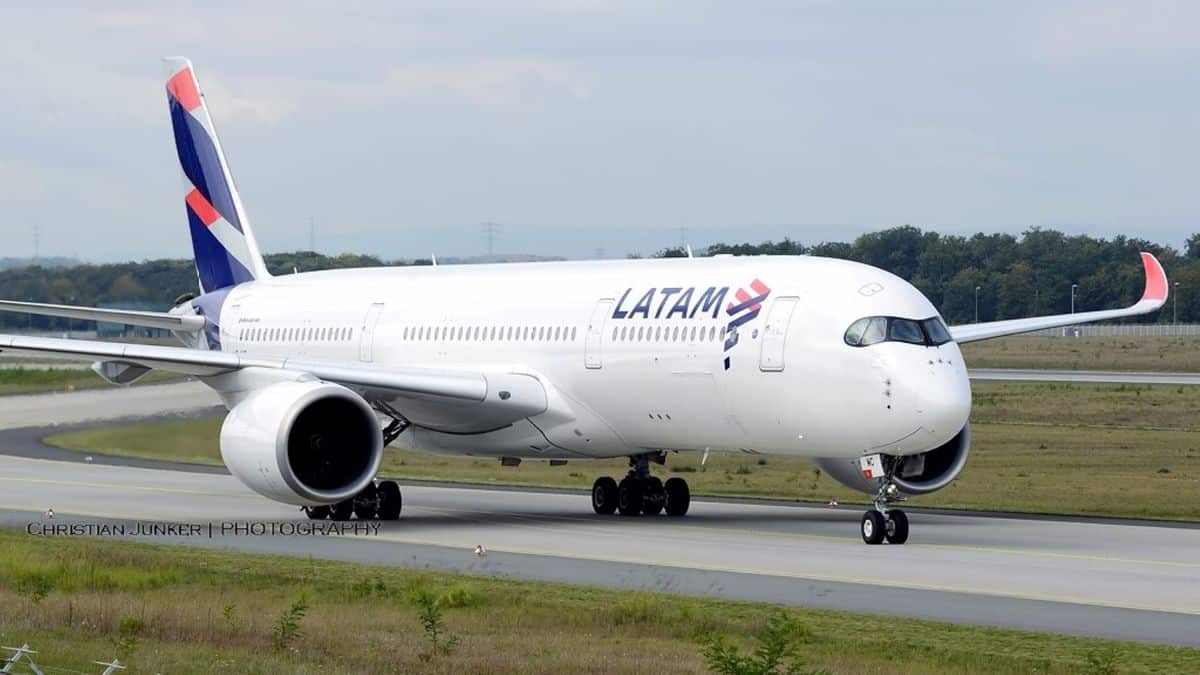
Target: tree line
<point>1016,275</point>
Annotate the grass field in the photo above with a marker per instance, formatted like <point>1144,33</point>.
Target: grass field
<point>1040,448</point>
<point>179,609</point>
<point>40,380</point>
<point>1160,354</point>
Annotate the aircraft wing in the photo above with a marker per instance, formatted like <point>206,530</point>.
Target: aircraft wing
<point>497,395</point>
<point>164,320</point>
<point>1153,297</point>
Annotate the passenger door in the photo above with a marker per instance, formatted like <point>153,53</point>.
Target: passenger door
<point>594,341</point>
<point>366,340</point>
<point>775,334</point>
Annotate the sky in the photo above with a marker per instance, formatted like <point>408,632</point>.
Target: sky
<point>588,127</point>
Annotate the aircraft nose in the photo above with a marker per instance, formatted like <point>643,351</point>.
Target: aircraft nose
<point>943,394</point>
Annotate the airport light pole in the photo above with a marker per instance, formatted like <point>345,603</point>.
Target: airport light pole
<point>1175,305</point>
<point>976,304</point>
<point>1073,287</point>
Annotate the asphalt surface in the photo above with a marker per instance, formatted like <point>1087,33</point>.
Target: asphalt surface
<point>1082,376</point>
<point>1123,580</point>
<point>104,403</point>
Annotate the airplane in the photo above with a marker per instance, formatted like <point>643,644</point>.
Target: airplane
<point>798,356</point>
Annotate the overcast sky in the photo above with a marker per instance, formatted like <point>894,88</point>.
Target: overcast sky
<point>587,122</point>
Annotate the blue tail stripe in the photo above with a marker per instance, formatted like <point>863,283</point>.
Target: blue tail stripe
<point>201,163</point>
<point>216,267</point>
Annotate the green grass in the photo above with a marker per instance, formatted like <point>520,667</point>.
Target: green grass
<point>1040,448</point>
<point>1169,354</point>
<point>191,610</point>
<point>40,380</point>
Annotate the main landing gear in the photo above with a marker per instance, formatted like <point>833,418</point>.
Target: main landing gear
<point>883,523</point>
<point>640,493</point>
<point>376,501</point>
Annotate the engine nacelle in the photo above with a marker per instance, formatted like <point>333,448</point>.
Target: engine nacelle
<point>920,474</point>
<point>303,442</point>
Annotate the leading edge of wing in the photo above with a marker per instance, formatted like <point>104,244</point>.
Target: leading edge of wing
<point>163,320</point>
<point>451,384</point>
<point>1154,295</point>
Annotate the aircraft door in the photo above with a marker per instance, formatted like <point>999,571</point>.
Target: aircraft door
<point>775,334</point>
<point>366,338</point>
<point>594,341</point>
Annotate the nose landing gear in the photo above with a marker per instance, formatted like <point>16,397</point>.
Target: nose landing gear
<point>881,522</point>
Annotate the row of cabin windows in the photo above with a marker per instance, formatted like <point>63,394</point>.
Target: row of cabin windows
<point>489,333</point>
<point>305,334</point>
<point>665,334</point>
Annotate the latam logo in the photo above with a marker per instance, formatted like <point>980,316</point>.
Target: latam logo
<point>677,302</point>
<point>749,304</point>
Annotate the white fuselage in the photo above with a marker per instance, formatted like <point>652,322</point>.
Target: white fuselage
<point>636,355</point>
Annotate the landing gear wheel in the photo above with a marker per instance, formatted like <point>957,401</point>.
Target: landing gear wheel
<point>604,496</point>
<point>654,497</point>
<point>389,500</point>
<point>366,503</point>
<point>341,510</point>
<point>896,527</point>
<point>679,496</point>
<point>873,527</point>
<point>629,497</point>
<point>316,512</point>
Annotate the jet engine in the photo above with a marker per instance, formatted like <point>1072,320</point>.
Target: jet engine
<point>303,442</point>
<point>918,474</point>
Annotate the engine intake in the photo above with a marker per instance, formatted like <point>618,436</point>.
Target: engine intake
<point>919,474</point>
<point>303,442</point>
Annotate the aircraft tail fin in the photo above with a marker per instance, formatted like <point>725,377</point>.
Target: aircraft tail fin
<point>225,249</point>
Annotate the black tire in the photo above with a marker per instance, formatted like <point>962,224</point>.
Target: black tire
<point>629,497</point>
<point>341,510</point>
<point>873,527</point>
<point>604,496</point>
<point>679,496</point>
<point>897,527</point>
<point>366,503</point>
<point>390,500</point>
<point>654,496</point>
<point>316,512</point>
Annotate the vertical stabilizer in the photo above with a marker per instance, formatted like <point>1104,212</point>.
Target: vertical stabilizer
<point>224,246</point>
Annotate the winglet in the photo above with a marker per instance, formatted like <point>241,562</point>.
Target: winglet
<point>1156,280</point>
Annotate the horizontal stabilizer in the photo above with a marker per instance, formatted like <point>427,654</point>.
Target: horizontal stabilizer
<point>166,321</point>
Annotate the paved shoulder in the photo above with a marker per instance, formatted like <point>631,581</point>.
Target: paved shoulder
<point>1082,376</point>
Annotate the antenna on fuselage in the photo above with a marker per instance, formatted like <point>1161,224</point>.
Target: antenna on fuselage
<point>433,259</point>
<point>688,248</point>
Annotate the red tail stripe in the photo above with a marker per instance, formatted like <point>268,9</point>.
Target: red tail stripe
<point>183,87</point>
<point>200,206</point>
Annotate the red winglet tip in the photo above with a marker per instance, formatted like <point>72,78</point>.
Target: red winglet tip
<point>1156,279</point>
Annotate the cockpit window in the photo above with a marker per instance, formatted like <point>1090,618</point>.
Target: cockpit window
<point>905,330</point>
<point>936,331</point>
<point>855,332</point>
<point>874,329</point>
